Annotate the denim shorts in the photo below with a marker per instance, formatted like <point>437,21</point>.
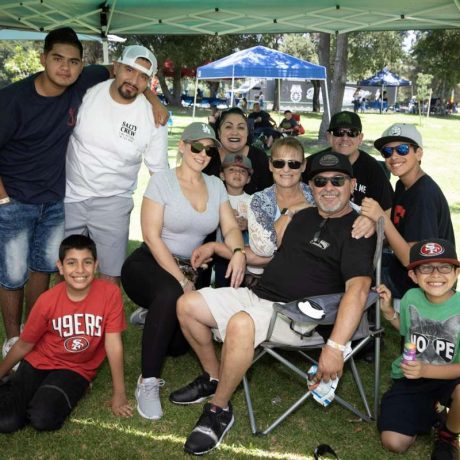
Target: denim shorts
<point>30,235</point>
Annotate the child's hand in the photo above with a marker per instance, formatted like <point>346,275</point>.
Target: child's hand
<point>371,208</point>
<point>242,223</point>
<point>386,300</point>
<point>413,369</point>
<point>121,407</point>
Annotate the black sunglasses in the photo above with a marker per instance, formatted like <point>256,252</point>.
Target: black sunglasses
<point>336,181</point>
<point>427,269</point>
<point>198,147</point>
<point>340,132</point>
<point>401,149</point>
<point>292,164</point>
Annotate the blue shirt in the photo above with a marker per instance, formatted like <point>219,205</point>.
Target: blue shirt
<point>34,132</point>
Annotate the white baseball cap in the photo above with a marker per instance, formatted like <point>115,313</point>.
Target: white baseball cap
<point>132,53</point>
<point>402,132</point>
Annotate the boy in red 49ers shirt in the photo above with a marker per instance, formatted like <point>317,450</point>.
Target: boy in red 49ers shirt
<point>70,330</point>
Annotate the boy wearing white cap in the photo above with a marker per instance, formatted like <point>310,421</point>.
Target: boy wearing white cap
<point>419,210</point>
<point>115,130</point>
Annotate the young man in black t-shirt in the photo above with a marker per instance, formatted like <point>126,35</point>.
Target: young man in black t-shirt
<point>317,256</point>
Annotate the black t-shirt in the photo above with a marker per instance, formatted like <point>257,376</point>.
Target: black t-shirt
<point>371,180</point>
<point>34,132</point>
<point>265,119</point>
<point>418,213</point>
<point>261,177</point>
<point>317,256</point>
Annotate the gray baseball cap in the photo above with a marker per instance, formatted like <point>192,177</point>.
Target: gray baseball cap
<point>198,130</point>
<point>399,132</point>
<point>132,53</point>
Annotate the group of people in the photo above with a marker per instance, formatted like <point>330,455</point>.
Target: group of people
<point>288,227</point>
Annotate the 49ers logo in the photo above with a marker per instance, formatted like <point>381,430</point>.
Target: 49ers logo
<point>431,249</point>
<point>76,344</point>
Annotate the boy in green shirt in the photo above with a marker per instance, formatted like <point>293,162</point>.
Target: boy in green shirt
<point>430,319</point>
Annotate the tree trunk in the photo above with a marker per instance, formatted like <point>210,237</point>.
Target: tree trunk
<point>276,106</point>
<point>339,79</point>
<point>173,98</point>
<point>324,54</point>
<point>316,102</point>
<point>213,88</point>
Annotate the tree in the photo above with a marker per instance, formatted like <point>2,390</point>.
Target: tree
<point>437,52</point>
<point>423,92</point>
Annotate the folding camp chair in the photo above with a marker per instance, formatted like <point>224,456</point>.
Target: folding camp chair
<point>363,334</point>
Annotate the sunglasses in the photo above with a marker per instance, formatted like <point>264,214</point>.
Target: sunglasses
<point>198,147</point>
<point>340,132</point>
<point>336,181</point>
<point>445,269</point>
<point>292,164</point>
<point>402,149</point>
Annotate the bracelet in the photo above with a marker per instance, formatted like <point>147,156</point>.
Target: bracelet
<point>183,283</point>
<point>239,250</point>
<point>395,316</point>
<point>5,200</point>
<point>335,345</point>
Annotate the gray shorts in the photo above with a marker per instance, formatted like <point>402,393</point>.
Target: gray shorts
<point>106,221</point>
<point>223,303</point>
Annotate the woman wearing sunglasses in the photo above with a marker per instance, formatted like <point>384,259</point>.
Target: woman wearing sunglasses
<point>180,207</point>
<point>233,133</point>
<point>420,209</point>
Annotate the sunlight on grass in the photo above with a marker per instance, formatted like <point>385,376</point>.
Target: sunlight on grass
<point>179,440</point>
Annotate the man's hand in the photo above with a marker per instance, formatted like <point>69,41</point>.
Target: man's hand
<point>413,369</point>
<point>330,364</point>
<point>161,115</point>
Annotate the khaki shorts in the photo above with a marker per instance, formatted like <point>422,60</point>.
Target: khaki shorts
<point>223,303</point>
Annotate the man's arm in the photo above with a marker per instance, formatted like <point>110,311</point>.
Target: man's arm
<point>350,311</point>
<point>114,350</point>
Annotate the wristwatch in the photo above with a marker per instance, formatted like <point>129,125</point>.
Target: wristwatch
<point>239,250</point>
<point>287,212</point>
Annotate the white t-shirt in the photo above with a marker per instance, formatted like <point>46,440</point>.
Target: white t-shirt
<point>107,145</point>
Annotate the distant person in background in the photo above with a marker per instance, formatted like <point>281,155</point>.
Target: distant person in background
<point>261,100</point>
<point>264,124</point>
<point>214,117</point>
<point>288,125</point>
<point>243,104</point>
<point>356,99</point>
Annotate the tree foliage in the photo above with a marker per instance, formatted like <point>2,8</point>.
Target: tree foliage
<point>437,52</point>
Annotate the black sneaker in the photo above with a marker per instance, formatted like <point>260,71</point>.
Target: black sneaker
<point>210,429</point>
<point>445,445</point>
<point>200,389</point>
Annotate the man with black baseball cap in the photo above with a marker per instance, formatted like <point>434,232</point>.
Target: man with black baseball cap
<point>345,136</point>
<point>420,209</point>
<point>316,256</point>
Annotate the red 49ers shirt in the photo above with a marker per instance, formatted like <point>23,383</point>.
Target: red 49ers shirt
<point>71,335</point>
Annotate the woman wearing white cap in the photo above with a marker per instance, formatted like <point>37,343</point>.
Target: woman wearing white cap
<point>180,207</point>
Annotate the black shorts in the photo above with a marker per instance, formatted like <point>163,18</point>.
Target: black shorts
<point>408,407</point>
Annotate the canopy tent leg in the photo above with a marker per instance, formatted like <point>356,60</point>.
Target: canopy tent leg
<point>328,107</point>
<point>194,97</point>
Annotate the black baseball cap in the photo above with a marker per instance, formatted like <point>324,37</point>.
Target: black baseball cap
<point>329,161</point>
<point>432,250</point>
<point>345,119</point>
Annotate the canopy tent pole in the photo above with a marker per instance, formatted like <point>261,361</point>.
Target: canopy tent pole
<point>232,95</point>
<point>279,100</point>
<point>194,97</point>
<point>105,51</point>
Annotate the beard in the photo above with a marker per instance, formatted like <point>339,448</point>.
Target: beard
<point>125,94</point>
<point>330,207</point>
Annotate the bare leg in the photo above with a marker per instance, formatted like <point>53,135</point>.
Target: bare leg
<point>237,356</point>
<point>110,279</point>
<point>38,283</point>
<point>396,442</point>
<point>196,322</point>
<point>453,418</point>
<point>11,303</point>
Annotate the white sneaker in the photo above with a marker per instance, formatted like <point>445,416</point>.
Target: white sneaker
<point>148,397</point>
<point>7,346</point>
<point>137,318</point>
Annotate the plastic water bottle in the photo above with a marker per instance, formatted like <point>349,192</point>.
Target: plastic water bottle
<point>323,393</point>
<point>410,352</point>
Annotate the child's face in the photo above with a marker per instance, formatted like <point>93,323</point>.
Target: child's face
<point>78,269</point>
<point>235,176</point>
<point>400,165</point>
<point>436,285</point>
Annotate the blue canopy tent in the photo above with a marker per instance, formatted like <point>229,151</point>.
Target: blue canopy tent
<point>384,78</point>
<point>261,62</point>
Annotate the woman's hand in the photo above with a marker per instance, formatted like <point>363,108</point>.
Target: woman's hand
<point>236,269</point>
<point>202,255</point>
<point>363,227</point>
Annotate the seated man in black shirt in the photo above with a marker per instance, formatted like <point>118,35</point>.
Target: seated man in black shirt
<point>317,256</point>
<point>264,124</point>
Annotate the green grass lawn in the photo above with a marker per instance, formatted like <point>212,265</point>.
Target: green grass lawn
<point>93,433</point>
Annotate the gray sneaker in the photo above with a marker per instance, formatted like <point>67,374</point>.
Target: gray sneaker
<point>148,397</point>
<point>7,346</point>
<point>137,318</point>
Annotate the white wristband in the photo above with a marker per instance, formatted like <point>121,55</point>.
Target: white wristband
<point>395,316</point>
<point>335,345</point>
<point>5,200</point>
